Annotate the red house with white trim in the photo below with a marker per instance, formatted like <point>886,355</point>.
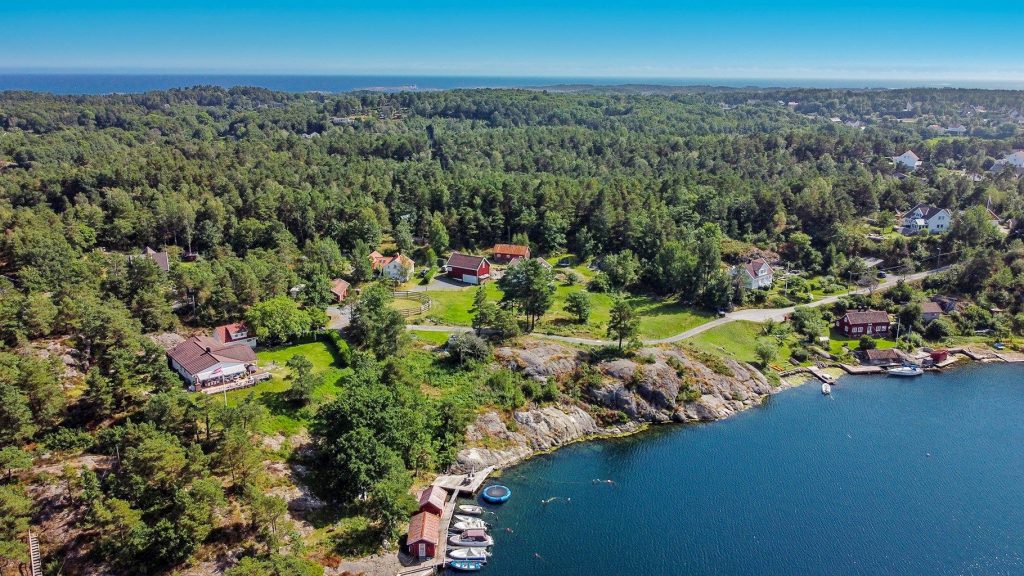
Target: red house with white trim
<point>423,535</point>
<point>467,268</point>
<point>857,323</point>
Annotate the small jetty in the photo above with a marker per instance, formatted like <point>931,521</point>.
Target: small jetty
<point>467,484</point>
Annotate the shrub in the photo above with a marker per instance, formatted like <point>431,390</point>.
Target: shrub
<point>867,343</point>
<point>800,354</point>
<point>600,283</point>
<point>341,347</point>
<point>68,440</point>
<point>940,329</point>
<point>779,301</point>
<point>468,347</point>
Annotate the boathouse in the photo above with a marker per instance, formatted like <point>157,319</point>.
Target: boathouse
<point>423,535</point>
<point>432,500</point>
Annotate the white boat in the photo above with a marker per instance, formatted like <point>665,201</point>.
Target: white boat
<point>475,524</point>
<point>825,388</point>
<point>475,538</point>
<point>905,371</point>
<point>466,518</point>
<point>478,554</point>
<point>470,509</point>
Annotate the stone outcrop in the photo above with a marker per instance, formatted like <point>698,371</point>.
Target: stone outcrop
<point>657,385</point>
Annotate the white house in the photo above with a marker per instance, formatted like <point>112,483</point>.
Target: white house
<point>398,267</point>
<point>203,361</point>
<point>755,274</point>
<point>1015,160</point>
<point>908,159</point>
<point>924,217</point>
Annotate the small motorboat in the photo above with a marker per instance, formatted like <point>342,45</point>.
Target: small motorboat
<point>470,509</point>
<point>466,518</point>
<point>478,554</point>
<point>474,538</point>
<point>474,524</point>
<point>906,370</point>
<point>496,494</point>
<point>465,565</point>
<point>826,389</point>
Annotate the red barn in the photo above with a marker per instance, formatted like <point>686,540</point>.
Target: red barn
<point>423,535</point>
<point>467,268</point>
<point>857,323</point>
<point>432,500</point>
<point>506,252</point>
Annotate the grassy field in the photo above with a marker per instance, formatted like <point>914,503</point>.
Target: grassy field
<point>434,338</point>
<point>658,318</point>
<point>837,340</point>
<point>737,340</point>
<point>285,418</point>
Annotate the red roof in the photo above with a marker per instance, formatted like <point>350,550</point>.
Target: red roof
<point>465,261</point>
<point>754,265</point>
<point>339,287</point>
<point>200,352</point>
<point>433,495</point>
<point>512,250</point>
<point>223,333</point>
<point>424,527</point>
<point>860,317</point>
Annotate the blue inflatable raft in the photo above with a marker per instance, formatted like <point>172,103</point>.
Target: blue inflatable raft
<point>496,494</point>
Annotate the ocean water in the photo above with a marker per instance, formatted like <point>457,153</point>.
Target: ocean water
<point>89,83</point>
<point>887,476</point>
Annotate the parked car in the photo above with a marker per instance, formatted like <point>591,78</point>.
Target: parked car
<point>882,274</point>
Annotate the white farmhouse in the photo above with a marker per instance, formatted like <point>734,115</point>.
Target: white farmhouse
<point>755,274</point>
<point>398,267</point>
<point>924,217</point>
<point>908,159</point>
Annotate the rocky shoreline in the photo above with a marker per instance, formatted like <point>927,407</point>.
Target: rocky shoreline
<point>657,385</point>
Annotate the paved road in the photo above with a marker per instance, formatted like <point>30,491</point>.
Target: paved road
<point>750,314</point>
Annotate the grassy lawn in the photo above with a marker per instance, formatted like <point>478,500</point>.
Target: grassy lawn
<point>837,340</point>
<point>285,418</point>
<point>658,318</point>
<point>737,340</point>
<point>435,338</point>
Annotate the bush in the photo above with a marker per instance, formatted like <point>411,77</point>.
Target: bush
<point>68,440</point>
<point>779,301</point>
<point>468,347</point>
<point>867,343</point>
<point>940,329</point>
<point>800,354</point>
<point>341,347</point>
<point>600,283</point>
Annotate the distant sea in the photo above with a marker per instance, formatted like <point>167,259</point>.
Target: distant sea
<point>135,83</point>
<point>901,477</point>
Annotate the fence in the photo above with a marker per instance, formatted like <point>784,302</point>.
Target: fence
<point>420,297</point>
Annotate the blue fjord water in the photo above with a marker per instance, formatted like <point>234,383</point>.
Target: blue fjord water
<point>886,476</point>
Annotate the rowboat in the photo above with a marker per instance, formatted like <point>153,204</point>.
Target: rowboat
<point>475,524</point>
<point>470,509</point>
<point>825,388</point>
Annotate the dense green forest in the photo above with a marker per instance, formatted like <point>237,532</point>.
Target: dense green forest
<point>266,191</point>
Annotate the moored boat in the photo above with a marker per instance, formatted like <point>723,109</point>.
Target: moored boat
<point>478,554</point>
<point>826,389</point>
<point>465,565</point>
<point>466,518</point>
<point>906,370</point>
<point>475,538</point>
<point>470,509</point>
<point>475,524</point>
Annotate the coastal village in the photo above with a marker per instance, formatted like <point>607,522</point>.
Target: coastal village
<point>346,390</point>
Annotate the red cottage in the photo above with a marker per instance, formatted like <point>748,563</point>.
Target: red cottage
<point>339,288</point>
<point>423,535</point>
<point>468,269</point>
<point>432,500</point>
<point>506,252</point>
<point>857,323</point>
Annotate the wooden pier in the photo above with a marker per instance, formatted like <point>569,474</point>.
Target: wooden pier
<point>467,484</point>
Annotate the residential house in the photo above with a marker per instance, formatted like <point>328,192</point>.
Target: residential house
<point>159,258</point>
<point>930,311</point>
<point>857,323</point>
<point>755,274</point>
<point>398,267</point>
<point>876,357</point>
<point>908,159</point>
<point>467,268</point>
<point>947,303</point>
<point>423,535</point>
<point>925,217</point>
<point>506,252</point>
<point>958,130</point>
<point>432,499</point>
<point>235,333</point>
<point>203,361</point>
<point>339,288</point>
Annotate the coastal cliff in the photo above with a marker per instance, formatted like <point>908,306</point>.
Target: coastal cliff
<point>611,398</point>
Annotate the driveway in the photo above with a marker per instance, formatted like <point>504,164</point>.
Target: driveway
<point>441,283</point>
<point>338,317</point>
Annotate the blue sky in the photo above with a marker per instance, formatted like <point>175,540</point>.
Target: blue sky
<point>651,39</point>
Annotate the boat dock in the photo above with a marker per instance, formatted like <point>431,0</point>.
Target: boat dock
<point>849,369</point>
<point>467,484</point>
<point>813,371</point>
